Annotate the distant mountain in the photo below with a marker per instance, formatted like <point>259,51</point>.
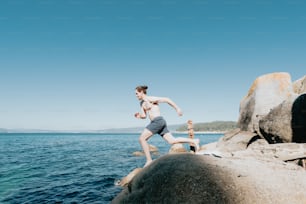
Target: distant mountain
<point>122,130</point>
<point>215,126</point>
<point>2,130</point>
<point>133,129</point>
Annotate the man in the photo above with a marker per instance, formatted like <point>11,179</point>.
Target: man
<point>158,125</point>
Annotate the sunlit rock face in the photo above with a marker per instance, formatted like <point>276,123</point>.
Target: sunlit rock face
<point>275,109</point>
<point>266,92</point>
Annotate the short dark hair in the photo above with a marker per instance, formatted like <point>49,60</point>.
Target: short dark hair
<point>142,88</point>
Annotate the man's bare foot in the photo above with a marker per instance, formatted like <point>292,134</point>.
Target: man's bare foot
<point>147,164</point>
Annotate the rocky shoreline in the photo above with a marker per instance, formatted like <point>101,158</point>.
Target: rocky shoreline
<point>262,161</point>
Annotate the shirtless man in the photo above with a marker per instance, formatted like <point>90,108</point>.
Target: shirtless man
<point>149,105</point>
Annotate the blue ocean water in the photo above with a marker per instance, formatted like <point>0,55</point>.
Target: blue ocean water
<point>70,168</point>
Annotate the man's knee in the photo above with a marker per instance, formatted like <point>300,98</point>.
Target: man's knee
<point>142,138</point>
<point>145,136</point>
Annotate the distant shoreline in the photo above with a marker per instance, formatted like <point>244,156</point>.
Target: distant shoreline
<point>214,127</point>
<point>202,132</point>
<point>89,132</point>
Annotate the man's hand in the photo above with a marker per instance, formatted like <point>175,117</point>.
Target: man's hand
<point>179,112</point>
<point>137,115</point>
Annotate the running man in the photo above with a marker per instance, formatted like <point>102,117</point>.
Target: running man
<point>149,106</point>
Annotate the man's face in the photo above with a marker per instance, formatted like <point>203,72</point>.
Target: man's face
<point>139,94</point>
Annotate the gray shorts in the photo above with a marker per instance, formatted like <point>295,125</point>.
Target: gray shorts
<point>158,126</point>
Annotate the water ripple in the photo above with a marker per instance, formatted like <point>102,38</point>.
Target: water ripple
<point>66,168</point>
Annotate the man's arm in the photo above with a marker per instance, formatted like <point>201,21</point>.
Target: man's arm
<point>141,115</point>
<point>155,99</point>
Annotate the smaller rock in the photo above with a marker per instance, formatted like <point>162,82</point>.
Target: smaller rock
<point>138,154</point>
<point>152,148</point>
<point>177,148</point>
<point>127,179</point>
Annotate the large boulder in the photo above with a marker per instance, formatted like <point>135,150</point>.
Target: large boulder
<point>299,86</point>
<point>298,121</point>
<point>275,127</point>
<point>189,178</point>
<point>275,109</point>
<point>286,122</point>
<point>266,92</point>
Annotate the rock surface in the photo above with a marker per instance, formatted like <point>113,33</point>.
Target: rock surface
<point>153,149</point>
<point>299,86</point>
<point>127,179</point>
<point>188,178</point>
<point>177,148</point>
<point>275,108</point>
<point>266,92</point>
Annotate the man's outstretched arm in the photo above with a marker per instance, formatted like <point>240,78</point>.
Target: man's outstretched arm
<point>167,100</point>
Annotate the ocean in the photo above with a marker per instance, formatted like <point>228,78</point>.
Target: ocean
<point>70,168</point>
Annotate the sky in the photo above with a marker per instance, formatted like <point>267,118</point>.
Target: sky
<point>74,64</point>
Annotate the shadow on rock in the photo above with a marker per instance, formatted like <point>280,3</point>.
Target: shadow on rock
<point>298,122</point>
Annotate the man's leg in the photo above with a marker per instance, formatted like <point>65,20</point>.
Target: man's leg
<point>145,135</point>
<point>172,140</point>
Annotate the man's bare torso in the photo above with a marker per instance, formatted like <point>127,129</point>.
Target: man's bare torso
<point>151,108</point>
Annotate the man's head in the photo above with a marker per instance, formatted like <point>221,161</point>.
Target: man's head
<point>141,91</point>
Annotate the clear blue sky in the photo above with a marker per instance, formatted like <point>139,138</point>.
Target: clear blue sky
<point>74,64</point>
